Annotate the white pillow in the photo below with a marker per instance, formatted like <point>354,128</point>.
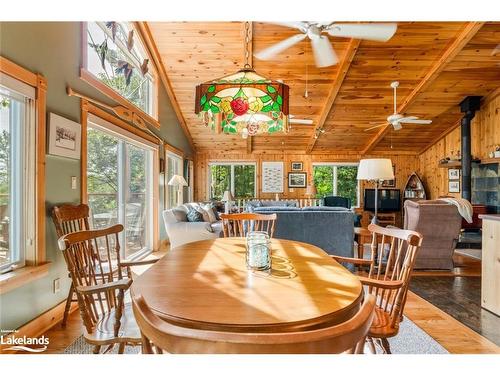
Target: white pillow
<point>210,213</point>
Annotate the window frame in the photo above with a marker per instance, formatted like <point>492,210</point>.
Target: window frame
<point>36,265</point>
<point>231,182</point>
<point>136,135</point>
<point>335,182</point>
<point>88,77</point>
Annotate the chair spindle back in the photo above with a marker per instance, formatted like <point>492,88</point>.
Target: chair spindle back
<point>93,260</point>
<point>238,225</point>
<point>393,254</point>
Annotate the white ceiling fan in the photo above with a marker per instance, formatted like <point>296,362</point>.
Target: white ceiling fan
<point>324,54</point>
<point>396,119</point>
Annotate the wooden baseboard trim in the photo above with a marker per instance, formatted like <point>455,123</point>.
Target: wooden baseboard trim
<point>42,323</point>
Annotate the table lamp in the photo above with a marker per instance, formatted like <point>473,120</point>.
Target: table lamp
<point>375,170</point>
<point>227,198</point>
<point>178,181</point>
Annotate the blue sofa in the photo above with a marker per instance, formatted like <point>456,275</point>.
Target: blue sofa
<point>329,228</point>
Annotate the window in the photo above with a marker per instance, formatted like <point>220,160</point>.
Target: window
<point>239,178</point>
<point>120,184</point>
<point>190,171</point>
<point>337,179</point>
<point>17,173</point>
<point>174,166</point>
<point>117,58</point>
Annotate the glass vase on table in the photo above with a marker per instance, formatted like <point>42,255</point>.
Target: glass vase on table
<point>258,252</point>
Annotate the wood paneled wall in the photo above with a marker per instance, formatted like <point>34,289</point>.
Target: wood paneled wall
<point>485,131</point>
<point>405,165</point>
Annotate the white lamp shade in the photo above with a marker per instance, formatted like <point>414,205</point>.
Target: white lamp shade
<point>227,197</point>
<point>375,169</point>
<point>177,180</point>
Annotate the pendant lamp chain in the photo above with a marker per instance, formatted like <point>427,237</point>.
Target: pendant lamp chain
<point>248,45</point>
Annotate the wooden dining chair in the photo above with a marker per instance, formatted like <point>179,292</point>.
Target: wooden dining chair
<point>238,225</point>
<point>100,289</point>
<point>159,336</point>
<point>69,218</point>
<point>393,254</point>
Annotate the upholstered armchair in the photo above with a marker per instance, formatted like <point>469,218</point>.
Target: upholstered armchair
<point>336,201</point>
<point>440,224</point>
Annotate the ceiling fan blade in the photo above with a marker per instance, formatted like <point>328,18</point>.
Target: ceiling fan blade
<point>376,126</point>
<point>324,55</point>
<point>411,121</point>
<point>381,32</point>
<point>275,49</point>
<point>301,121</point>
<point>302,26</point>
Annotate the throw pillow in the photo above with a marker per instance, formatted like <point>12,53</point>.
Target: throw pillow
<point>194,216</point>
<point>203,213</point>
<point>212,218</point>
<point>180,215</point>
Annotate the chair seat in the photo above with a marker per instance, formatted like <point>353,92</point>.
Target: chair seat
<point>381,325</point>
<point>103,333</point>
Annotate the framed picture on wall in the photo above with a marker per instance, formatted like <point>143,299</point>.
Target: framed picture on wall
<point>64,138</point>
<point>297,180</point>
<point>272,177</point>
<point>297,166</point>
<point>453,174</point>
<point>390,183</point>
<point>454,186</point>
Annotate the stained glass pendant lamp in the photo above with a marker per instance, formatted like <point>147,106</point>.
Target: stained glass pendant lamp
<point>243,103</point>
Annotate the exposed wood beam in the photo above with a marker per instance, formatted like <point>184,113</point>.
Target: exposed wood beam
<point>349,54</point>
<point>249,145</point>
<point>155,55</point>
<point>449,54</point>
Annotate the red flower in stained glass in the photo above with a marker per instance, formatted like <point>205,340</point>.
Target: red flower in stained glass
<point>239,106</point>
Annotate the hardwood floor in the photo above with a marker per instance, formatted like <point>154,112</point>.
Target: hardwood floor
<point>449,332</point>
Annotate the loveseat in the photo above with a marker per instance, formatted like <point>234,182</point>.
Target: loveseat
<point>329,228</point>
<point>181,231</point>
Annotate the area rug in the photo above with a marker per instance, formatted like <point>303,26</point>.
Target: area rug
<point>472,253</point>
<point>411,340</point>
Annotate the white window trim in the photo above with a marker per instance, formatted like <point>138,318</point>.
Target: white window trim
<point>231,182</point>
<point>28,230</point>
<point>334,182</point>
<point>107,127</point>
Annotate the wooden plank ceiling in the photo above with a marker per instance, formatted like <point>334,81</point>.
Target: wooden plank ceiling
<point>345,99</point>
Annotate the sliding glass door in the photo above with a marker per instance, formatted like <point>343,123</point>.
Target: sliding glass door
<point>119,187</point>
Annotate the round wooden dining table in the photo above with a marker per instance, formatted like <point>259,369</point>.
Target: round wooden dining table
<point>206,285</point>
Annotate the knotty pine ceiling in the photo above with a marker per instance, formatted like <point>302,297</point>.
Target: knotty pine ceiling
<point>436,63</point>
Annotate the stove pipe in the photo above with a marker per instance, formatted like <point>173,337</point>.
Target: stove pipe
<point>468,106</point>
